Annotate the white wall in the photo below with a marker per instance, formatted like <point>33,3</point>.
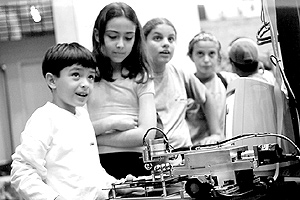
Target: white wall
<point>226,9</point>
<point>74,20</point>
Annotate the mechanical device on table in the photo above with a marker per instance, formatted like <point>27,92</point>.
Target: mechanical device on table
<point>203,171</point>
<point>226,169</point>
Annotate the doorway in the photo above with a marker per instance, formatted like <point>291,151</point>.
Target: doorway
<point>22,87</point>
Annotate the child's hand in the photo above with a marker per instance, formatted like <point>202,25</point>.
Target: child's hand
<point>130,177</point>
<point>125,188</point>
<point>212,139</point>
<point>123,123</point>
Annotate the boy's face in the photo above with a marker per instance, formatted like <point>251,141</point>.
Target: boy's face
<point>206,58</point>
<point>73,87</point>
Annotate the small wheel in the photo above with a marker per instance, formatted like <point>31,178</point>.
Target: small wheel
<point>197,189</point>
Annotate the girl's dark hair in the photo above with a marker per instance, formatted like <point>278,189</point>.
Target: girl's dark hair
<point>136,62</point>
<point>151,24</point>
<point>64,55</point>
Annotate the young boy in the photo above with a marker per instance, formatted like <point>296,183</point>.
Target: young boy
<point>244,57</point>
<point>58,155</point>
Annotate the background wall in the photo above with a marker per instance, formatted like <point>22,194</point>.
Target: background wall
<point>183,15</point>
<point>74,19</point>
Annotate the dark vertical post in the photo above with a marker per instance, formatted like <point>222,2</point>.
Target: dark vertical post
<point>288,26</point>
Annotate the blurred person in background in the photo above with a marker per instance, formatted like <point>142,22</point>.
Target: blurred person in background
<point>205,51</point>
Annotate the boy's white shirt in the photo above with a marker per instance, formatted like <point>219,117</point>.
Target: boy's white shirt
<point>58,155</point>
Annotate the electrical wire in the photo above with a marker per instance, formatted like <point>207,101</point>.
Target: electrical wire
<point>154,128</point>
<point>275,63</point>
<point>245,136</point>
<point>261,39</point>
<point>166,140</point>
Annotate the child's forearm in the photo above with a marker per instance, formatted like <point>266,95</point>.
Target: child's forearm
<point>102,126</point>
<point>129,138</point>
<point>212,115</point>
<point>114,123</point>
